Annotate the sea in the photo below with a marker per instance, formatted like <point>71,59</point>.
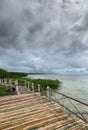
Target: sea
<point>72,85</point>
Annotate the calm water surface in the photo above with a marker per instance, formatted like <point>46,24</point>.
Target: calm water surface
<point>73,85</point>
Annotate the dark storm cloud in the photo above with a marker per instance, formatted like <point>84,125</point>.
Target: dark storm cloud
<point>41,36</point>
<point>8,32</point>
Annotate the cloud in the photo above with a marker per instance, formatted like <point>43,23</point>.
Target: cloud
<point>44,36</point>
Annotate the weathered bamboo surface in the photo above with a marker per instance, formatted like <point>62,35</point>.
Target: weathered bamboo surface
<point>23,90</point>
<point>34,112</point>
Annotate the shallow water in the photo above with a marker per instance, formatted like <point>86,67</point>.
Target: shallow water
<point>75,86</point>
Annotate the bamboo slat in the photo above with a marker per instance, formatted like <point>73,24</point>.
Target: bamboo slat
<point>31,111</point>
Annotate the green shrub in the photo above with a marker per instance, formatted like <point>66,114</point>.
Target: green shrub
<point>5,91</point>
<point>45,82</point>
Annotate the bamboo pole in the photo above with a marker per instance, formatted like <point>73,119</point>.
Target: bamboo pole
<point>39,89</point>
<point>32,85</point>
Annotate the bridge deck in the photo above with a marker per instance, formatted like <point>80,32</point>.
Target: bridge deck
<point>34,112</point>
<point>23,90</point>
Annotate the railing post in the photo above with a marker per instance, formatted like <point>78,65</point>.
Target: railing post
<point>5,81</point>
<point>39,89</point>
<point>28,85</point>
<point>0,81</point>
<point>17,90</point>
<point>32,86</point>
<point>48,92</point>
<point>25,84</point>
<point>10,83</point>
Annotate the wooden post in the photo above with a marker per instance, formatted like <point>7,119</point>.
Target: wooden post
<point>32,86</point>
<point>5,81</point>
<point>0,81</point>
<point>28,85</point>
<point>25,84</point>
<point>48,92</point>
<point>39,90</point>
<point>17,90</point>
<point>10,83</point>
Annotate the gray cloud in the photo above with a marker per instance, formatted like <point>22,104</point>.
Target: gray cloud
<point>43,36</point>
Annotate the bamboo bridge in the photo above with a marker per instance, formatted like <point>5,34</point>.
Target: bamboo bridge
<point>29,110</point>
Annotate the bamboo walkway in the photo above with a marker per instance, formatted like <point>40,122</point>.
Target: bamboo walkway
<point>23,90</point>
<point>34,112</point>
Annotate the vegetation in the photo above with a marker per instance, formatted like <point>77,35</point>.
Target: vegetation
<point>5,74</point>
<point>17,74</point>
<point>43,82</point>
<point>46,82</point>
<point>21,77</point>
<point>5,91</point>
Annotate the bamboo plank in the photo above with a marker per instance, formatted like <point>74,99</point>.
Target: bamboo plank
<point>27,113</point>
<point>31,122</point>
<point>57,124</point>
<point>32,108</point>
<point>20,102</point>
<point>31,111</point>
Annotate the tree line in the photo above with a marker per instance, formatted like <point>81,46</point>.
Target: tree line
<point>6,74</point>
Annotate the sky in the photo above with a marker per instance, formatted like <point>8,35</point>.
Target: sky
<point>44,36</point>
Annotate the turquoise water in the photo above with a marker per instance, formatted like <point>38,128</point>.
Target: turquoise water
<point>75,86</point>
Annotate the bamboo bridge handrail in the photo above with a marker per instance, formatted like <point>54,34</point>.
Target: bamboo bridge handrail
<point>68,109</point>
<point>78,113</point>
<point>71,98</point>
